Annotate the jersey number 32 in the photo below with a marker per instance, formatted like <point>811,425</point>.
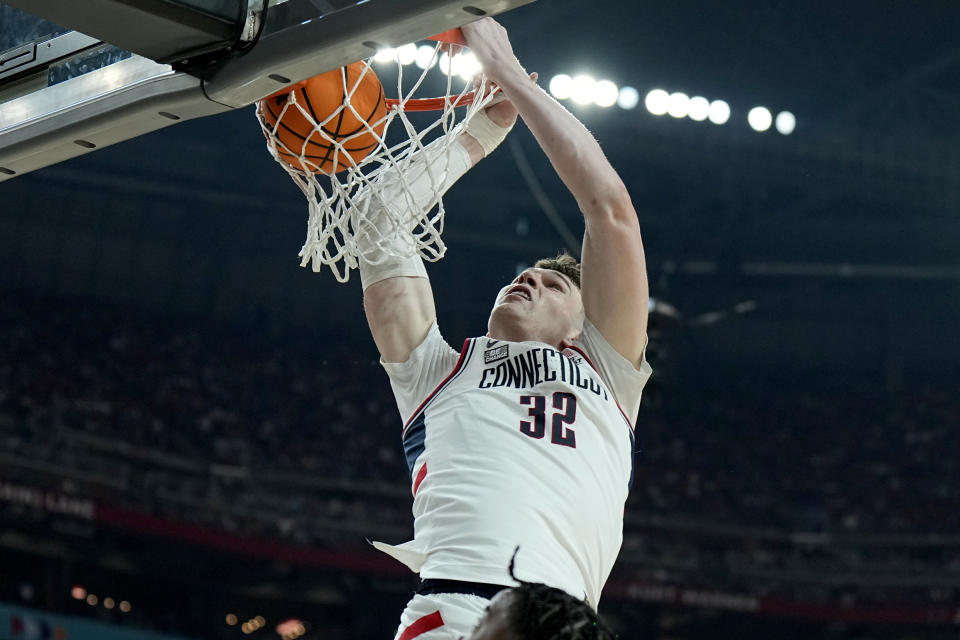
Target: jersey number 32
<point>563,413</point>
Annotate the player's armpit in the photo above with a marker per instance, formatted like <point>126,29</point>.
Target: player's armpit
<point>399,312</point>
<point>614,274</point>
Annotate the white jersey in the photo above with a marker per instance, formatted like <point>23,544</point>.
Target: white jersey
<point>517,444</point>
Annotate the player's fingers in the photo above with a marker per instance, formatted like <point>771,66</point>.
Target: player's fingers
<point>497,99</point>
<point>485,32</point>
<point>483,84</point>
<point>472,30</point>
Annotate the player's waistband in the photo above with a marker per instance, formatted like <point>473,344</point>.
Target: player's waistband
<point>439,585</point>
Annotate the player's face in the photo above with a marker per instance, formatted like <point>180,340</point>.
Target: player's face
<point>540,304</point>
<point>495,623</point>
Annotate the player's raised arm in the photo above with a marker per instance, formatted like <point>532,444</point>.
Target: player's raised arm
<point>614,276</point>
<point>398,299</point>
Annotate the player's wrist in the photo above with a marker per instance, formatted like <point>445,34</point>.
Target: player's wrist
<point>473,147</point>
<point>507,73</point>
<point>485,132</point>
<point>370,273</point>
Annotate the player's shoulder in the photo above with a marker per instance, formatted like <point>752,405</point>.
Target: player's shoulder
<point>606,360</point>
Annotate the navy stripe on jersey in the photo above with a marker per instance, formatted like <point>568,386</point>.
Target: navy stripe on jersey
<point>415,431</point>
<point>465,353</point>
<point>414,439</point>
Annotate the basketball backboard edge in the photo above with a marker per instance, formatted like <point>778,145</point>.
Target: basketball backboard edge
<point>135,96</point>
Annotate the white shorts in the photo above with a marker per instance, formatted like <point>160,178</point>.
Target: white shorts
<point>441,616</point>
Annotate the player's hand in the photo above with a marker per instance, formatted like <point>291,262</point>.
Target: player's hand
<point>489,42</point>
<point>501,111</point>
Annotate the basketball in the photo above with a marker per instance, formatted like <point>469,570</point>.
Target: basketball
<point>331,121</point>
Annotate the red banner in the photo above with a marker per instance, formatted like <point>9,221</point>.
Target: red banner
<point>369,561</point>
<point>372,561</point>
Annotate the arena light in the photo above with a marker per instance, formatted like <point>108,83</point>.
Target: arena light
<point>759,118</point>
<point>699,108</point>
<point>452,66</point>
<point>253,624</point>
<point>457,65</point>
<point>231,619</point>
<point>582,90</point>
<point>291,629</point>
<point>678,104</point>
<point>605,93</point>
<point>385,55</point>
<point>124,606</point>
<point>719,112</point>
<point>78,592</point>
<point>628,98</point>
<point>108,603</point>
<point>657,102</point>
<point>425,57</point>
<point>469,65</point>
<point>92,599</point>
<point>786,122</point>
<point>407,54</point>
<point>561,86</point>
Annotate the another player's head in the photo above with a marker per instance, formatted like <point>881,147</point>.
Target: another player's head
<point>543,303</point>
<point>535,611</point>
<point>539,612</point>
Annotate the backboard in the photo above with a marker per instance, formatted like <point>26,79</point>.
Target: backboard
<point>116,69</point>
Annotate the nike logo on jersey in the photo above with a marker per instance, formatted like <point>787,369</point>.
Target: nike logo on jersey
<point>536,366</point>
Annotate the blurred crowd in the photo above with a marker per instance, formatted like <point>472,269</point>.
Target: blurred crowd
<point>855,458</point>
<point>297,440</point>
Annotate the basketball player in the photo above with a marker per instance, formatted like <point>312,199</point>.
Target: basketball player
<point>538,612</point>
<point>525,437</point>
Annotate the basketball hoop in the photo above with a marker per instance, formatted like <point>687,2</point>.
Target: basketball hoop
<point>375,167</point>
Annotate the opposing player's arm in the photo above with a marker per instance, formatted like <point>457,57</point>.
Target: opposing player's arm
<point>400,308</point>
<point>614,276</point>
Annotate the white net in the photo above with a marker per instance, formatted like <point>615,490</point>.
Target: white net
<point>387,204</point>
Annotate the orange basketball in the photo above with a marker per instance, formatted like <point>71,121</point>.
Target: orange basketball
<point>305,141</point>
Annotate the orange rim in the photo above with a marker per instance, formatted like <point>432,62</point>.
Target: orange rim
<point>454,36</point>
<point>451,37</point>
<point>433,104</point>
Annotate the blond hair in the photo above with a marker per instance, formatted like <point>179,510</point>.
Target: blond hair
<point>564,263</point>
